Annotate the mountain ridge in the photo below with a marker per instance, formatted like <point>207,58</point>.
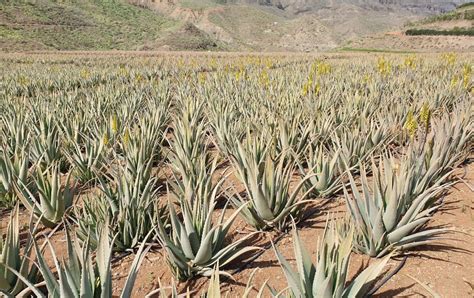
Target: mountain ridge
<point>228,25</point>
<point>296,25</point>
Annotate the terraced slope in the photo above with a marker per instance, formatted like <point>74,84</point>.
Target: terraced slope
<point>451,31</point>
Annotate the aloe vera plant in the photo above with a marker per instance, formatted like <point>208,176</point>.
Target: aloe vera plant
<point>76,130</point>
<point>16,266</point>
<point>190,159</point>
<point>46,146</point>
<point>324,180</point>
<point>88,160</point>
<point>45,197</point>
<point>195,243</point>
<point>328,277</point>
<point>141,145</point>
<point>214,289</point>
<point>12,170</point>
<point>192,164</point>
<point>448,146</point>
<point>227,127</point>
<point>79,275</point>
<point>140,155</point>
<point>189,142</point>
<point>131,207</point>
<point>293,135</point>
<point>391,216</point>
<point>357,145</point>
<point>15,133</point>
<point>269,201</point>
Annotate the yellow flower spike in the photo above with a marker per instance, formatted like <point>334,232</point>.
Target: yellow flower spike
<point>240,74</point>
<point>467,70</point>
<point>201,78</point>
<point>317,88</point>
<point>126,137</point>
<point>123,71</point>
<point>138,78</point>
<point>449,58</point>
<point>410,62</point>
<point>466,82</point>
<point>105,139</point>
<point>384,66</point>
<point>23,81</point>
<point>454,82</point>
<point>114,124</point>
<point>411,125</point>
<point>268,63</point>
<point>367,78</point>
<point>264,79</point>
<point>425,114</point>
<point>85,73</point>
<point>305,90</point>
<point>323,68</point>
<point>213,63</point>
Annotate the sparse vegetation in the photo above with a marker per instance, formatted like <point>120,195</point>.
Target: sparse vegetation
<point>72,25</point>
<point>465,14</point>
<point>465,5</point>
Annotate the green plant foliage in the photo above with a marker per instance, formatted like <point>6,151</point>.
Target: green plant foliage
<point>81,276</point>
<point>45,197</point>
<point>389,215</point>
<point>16,269</point>
<point>196,242</point>
<point>269,201</point>
<point>328,277</point>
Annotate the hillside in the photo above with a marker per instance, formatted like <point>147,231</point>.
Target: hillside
<point>236,25</point>
<point>78,25</point>
<point>296,25</point>
<point>305,6</point>
<point>451,31</point>
<point>95,25</point>
<point>457,22</point>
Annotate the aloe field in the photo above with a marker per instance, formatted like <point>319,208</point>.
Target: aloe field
<point>209,175</point>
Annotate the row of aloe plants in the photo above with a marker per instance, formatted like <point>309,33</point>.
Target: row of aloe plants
<point>390,216</point>
<point>284,157</point>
